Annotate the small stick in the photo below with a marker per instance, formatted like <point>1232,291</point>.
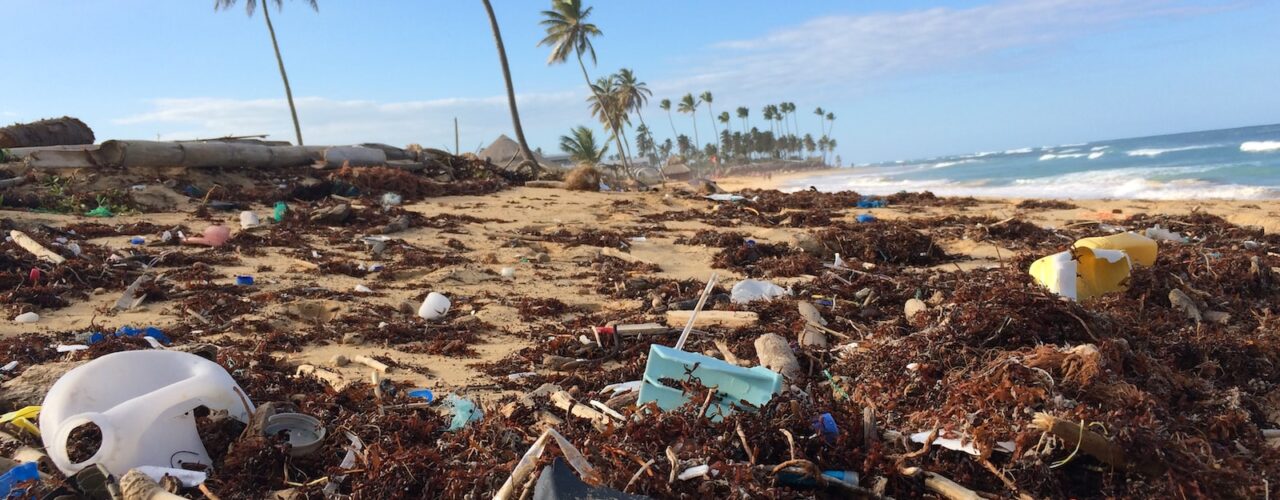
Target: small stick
<point>371,363</point>
<point>634,477</point>
<point>928,442</point>
<point>751,454</point>
<point>1004,479</point>
<point>941,485</point>
<point>207,494</point>
<point>675,464</point>
<point>728,355</point>
<point>688,327</point>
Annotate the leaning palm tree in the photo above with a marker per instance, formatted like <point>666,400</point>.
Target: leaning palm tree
<point>831,122</point>
<point>250,6</point>
<point>581,146</point>
<point>743,113</point>
<point>689,105</point>
<point>822,123</point>
<point>568,32</point>
<point>724,118</point>
<point>665,105</point>
<point>511,90</point>
<point>607,106</point>
<point>633,92</point>
<point>706,97</point>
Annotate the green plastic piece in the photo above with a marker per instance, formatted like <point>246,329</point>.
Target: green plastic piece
<point>280,210</point>
<point>101,211</point>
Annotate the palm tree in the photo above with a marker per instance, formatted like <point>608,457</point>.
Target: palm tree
<point>665,105</point>
<point>511,90</point>
<point>822,124</point>
<point>831,146</point>
<point>724,118</point>
<point>706,97</point>
<point>809,145</point>
<point>795,127</point>
<point>568,32</point>
<point>607,106</point>
<point>689,105</point>
<point>743,112</point>
<point>644,142</point>
<point>634,93</point>
<point>250,6</point>
<point>581,146</point>
<point>831,120</point>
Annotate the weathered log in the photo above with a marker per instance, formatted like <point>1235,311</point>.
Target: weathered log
<point>775,354</point>
<point>200,154</point>
<point>354,156</point>
<point>730,319</point>
<point>51,132</point>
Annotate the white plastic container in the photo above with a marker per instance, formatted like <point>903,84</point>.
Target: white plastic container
<point>249,219</point>
<point>142,401</point>
<point>434,307</point>
<point>509,272</point>
<point>26,317</point>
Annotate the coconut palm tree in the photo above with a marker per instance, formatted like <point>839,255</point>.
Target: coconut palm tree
<point>511,90</point>
<point>809,144</point>
<point>607,106</point>
<point>633,92</point>
<point>743,112</point>
<point>831,121</point>
<point>665,105</point>
<point>822,123</point>
<point>581,146</point>
<point>724,118</point>
<point>250,6</point>
<point>689,105</point>
<point>706,97</point>
<point>568,32</point>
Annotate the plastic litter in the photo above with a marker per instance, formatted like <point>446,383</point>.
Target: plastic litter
<point>422,394</point>
<point>9,482</point>
<point>695,471</point>
<point>871,203</point>
<point>750,290</point>
<point>1141,249</point>
<point>957,442</point>
<point>825,425</point>
<point>26,317</point>
<point>129,331</point>
<point>363,289</point>
<point>735,384</point>
<point>188,478</point>
<point>865,218</point>
<point>141,401</point>
<point>101,211</point>
<point>1159,233</point>
<point>244,279</point>
<point>725,197</point>
<point>391,199</point>
<point>213,236</point>
<point>21,419</point>
<point>278,212</point>
<point>305,432</point>
<point>558,482</point>
<point>1082,273</point>
<point>248,220</point>
<point>464,411</point>
<point>9,366</point>
<point>137,240</point>
<point>348,461</point>
<point>435,306</point>
<point>508,272</point>
<point>530,458</point>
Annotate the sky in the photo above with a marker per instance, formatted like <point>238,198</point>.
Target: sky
<point>905,79</point>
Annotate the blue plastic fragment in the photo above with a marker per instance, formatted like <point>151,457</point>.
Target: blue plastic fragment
<point>734,384</point>
<point>871,203</point>
<point>824,302</point>
<point>464,411</point>
<point>422,394</point>
<point>865,218</point>
<point>244,280</point>
<point>27,471</point>
<point>825,424</point>
<point>129,331</point>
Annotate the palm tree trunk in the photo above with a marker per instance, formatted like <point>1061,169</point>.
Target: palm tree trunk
<point>714,128</point>
<point>511,90</point>
<point>608,116</point>
<point>697,143</point>
<point>288,92</point>
<point>674,134</point>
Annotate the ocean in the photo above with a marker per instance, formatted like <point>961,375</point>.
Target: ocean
<point>1237,163</point>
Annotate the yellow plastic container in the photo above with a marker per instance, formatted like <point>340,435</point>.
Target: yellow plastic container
<point>1141,249</point>
<point>1082,272</point>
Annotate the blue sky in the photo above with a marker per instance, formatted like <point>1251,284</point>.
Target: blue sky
<point>906,79</point>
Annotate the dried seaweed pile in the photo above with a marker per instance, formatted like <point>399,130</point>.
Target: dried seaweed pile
<point>892,242</point>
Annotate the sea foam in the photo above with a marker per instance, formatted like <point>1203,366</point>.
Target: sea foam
<point>1153,152</point>
<point>1260,146</point>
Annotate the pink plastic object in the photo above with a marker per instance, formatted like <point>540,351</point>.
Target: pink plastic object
<point>214,236</point>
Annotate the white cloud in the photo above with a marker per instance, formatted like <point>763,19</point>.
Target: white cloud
<point>841,51</point>
<point>330,121</point>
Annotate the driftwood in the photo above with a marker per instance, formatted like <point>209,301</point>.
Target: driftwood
<point>730,319</point>
<point>35,247</point>
<point>201,154</point>
<point>942,486</point>
<point>1092,443</point>
<point>354,156</point>
<point>51,132</point>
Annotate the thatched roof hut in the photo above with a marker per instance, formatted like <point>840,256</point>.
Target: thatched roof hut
<point>677,172</point>
<point>505,153</point>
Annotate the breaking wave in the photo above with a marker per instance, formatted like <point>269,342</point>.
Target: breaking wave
<point>1154,152</point>
<point>1260,146</point>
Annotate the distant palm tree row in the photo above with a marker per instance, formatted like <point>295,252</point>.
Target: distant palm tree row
<point>614,98</point>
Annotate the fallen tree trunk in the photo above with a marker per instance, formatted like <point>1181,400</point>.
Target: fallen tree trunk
<point>51,132</point>
<point>201,154</point>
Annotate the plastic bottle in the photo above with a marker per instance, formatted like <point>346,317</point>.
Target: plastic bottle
<point>141,401</point>
<point>435,306</point>
<point>279,210</point>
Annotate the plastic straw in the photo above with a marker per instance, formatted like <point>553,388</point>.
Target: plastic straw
<point>688,327</point>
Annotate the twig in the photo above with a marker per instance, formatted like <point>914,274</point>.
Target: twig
<point>207,494</point>
<point>1004,479</point>
<point>634,477</point>
<point>751,454</point>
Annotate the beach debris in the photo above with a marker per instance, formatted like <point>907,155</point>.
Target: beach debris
<point>249,220</point>
<point>755,386</point>
<point>11,480</point>
<point>750,290</point>
<point>48,132</point>
<point>868,202</point>
<point>1159,233</point>
<point>1082,273</point>
<point>339,360</point>
<point>914,307</point>
<point>557,481</point>
<point>775,354</point>
<point>131,298</point>
<point>529,461</point>
<point>390,199</point>
<point>1140,249</point>
<point>363,289</point>
<point>508,272</point>
<point>138,393</point>
<point>727,319</point>
<point>434,307</point>
<point>1180,301</point>
<point>304,432</point>
<point>371,363</point>
<point>463,411</point>
<point>1094,444</point>
<point>244,280</point>
<point>725,197</point>
<point>31,245</point>
<point>26,317</point>
<point>336,214</point>
<point>212,236</point>
<point>865,218</point>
